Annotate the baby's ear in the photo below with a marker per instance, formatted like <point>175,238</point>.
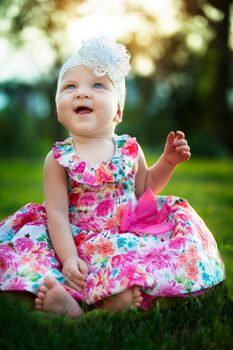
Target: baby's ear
<point>118,116</point>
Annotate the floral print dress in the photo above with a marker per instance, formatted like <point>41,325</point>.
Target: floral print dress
<point>158,243</point>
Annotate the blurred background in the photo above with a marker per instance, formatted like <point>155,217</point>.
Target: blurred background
<point>181,78</point>
<point>182,75</point>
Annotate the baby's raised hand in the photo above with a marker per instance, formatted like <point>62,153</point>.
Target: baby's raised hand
<point>176,148</point>
<point>75,272</point>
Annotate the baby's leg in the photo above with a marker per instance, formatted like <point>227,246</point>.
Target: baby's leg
<point>123,300</point>
<point>52,297</point>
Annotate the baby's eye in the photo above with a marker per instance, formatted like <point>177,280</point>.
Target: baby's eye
<point>70,86</point>
<point>98,85</point>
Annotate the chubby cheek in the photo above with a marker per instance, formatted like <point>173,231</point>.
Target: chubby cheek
<point>61,110</point>
<point>112,107</point>
<point>109,101</point>
<point>59,114</point>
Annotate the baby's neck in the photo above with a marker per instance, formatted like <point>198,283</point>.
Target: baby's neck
<point>94,149</point>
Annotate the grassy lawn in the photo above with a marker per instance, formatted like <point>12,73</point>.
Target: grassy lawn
<point>204,322</point>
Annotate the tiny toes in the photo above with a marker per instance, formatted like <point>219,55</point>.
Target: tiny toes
<point>137,305</point>
<point>38,303</point>
<point>38,307</point>
<point>40,295</point>
<point>43,289</point>
<point>139,300</point>
<point>136,290</point>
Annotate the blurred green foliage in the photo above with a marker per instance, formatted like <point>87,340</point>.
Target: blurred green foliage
<point>190,88</point>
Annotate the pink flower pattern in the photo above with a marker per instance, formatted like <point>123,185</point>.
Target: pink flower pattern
<point>175,263</point>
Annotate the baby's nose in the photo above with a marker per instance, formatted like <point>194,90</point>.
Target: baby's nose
<point>83,92</point>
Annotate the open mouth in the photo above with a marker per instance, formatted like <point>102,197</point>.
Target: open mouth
<point>83,110</point>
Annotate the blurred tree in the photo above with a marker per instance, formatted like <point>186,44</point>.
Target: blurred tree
<point>20,123</point>
<point>50,18</point>
<point>192,67</point>
<point>185,77</point>
<point>217,14</point>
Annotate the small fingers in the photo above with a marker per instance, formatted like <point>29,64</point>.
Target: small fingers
<point>180,142</point>
<point>72,273</point>
<point>75,284</point>
<point>75,279</point>
<point>83,268</point>
<point>186,155</point>
<point>78,279</point>
<point>170,137</point>
<point>183,149</point>
<point>180,134</point>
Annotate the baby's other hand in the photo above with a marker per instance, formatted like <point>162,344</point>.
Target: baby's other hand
<point>75,272</point>
<point>176,148</point>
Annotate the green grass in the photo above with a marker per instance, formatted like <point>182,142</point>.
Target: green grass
<point>197,323</point>
<point>204,322</point>
<point>21,182</point>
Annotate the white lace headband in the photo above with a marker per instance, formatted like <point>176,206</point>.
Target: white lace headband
<point>104,57</point>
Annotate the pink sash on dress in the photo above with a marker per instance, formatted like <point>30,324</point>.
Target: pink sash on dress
<point>146,218</point>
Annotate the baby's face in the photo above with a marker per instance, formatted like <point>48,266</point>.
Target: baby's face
<point>86,104</point>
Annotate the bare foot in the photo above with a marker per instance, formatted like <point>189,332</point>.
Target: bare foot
<point>123,300</point>
<point>52,297</point>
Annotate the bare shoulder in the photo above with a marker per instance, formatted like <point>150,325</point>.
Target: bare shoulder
<point>55,184</point>
<point>142,172</point>
<point>49,158</point>
<point>51,165</point>
<point>141,158</point>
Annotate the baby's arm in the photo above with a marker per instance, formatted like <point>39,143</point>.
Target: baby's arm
<point>57,209</point>
<point>156,177</point>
